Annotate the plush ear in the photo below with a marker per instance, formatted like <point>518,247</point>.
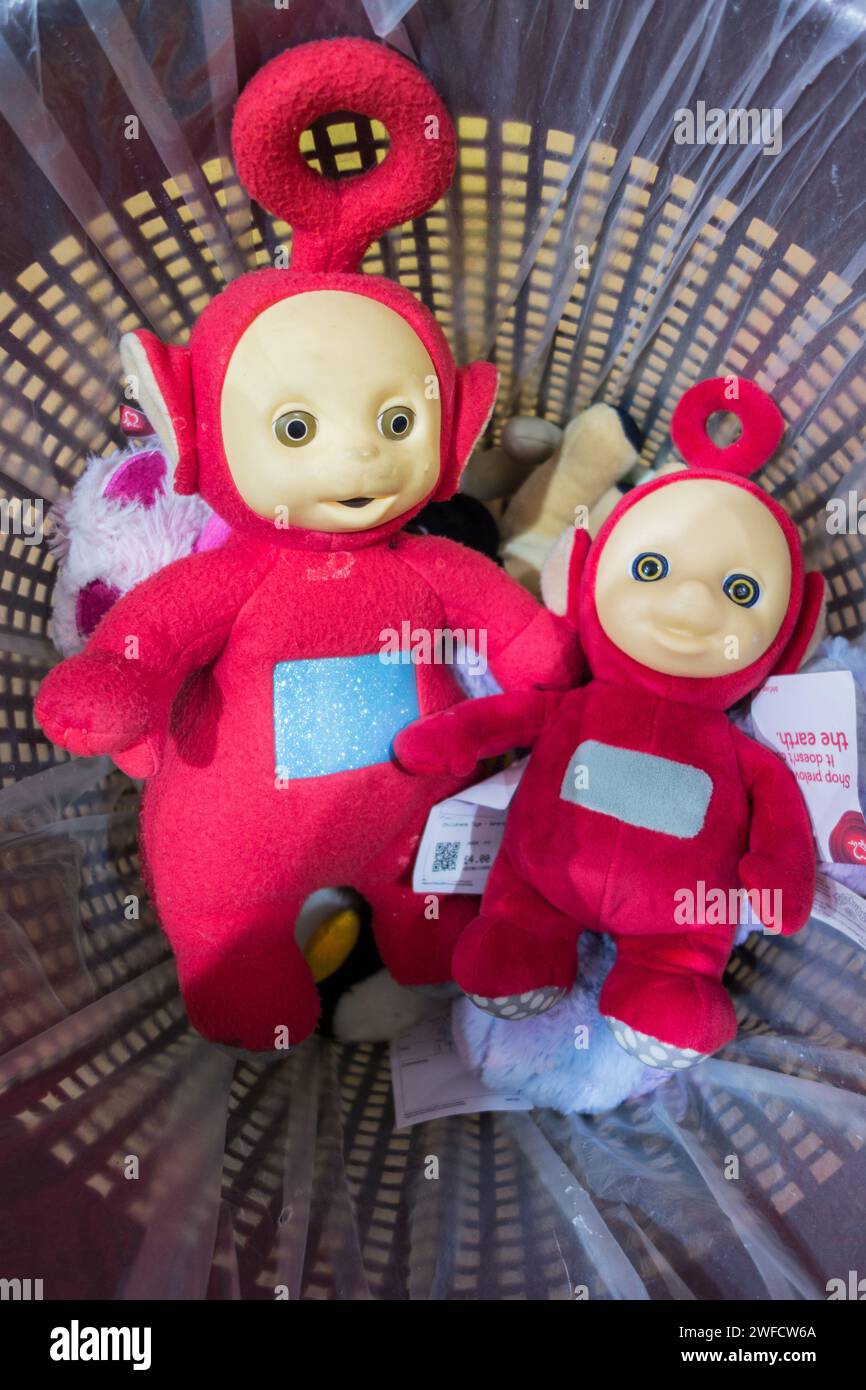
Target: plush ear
<point>162,385</point>
<point>474,399</point>
<point>811,614</point>
<point>562,572</point>
<point>553,580</point>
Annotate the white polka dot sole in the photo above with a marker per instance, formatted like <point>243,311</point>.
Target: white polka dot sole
<point>515,1007</point>
<point>652,1051</point>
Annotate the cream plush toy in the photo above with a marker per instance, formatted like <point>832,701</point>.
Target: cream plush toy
<point>549,474</point>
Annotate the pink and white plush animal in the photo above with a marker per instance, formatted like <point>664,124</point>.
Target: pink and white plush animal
<point>121,523</point>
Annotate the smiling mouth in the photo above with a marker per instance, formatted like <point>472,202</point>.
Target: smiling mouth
<point>680,640</point>
<point>358,503</point>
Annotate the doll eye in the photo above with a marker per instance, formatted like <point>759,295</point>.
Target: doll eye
<point>295,428</point>
<point>649,566</point>
<point>396,422</point>
<point>742,590</point>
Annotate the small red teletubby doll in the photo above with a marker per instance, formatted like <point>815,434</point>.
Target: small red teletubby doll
<point>639,789</point>
<point>316,410</point>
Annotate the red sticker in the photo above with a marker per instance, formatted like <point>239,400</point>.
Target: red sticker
<point>134,422</point>
<point>848,840</point>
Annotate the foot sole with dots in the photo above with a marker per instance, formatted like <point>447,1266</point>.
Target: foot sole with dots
<point>652,1051</point>
<point>516,1007</point>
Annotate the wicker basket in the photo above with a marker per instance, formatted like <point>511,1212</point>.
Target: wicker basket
<point>135,1159</point>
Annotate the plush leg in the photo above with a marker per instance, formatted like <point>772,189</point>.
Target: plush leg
<point>415,932</point>
<point>518,957</point>
<point>243,979</point>
<point>664,998</point>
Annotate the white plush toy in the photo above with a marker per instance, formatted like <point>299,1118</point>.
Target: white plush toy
<point>121,522</point>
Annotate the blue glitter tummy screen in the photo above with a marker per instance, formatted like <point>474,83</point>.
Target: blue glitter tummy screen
<point>336,713</point>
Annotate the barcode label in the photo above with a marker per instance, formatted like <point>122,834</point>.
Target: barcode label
<point>445,856</point>
<point>462,837</point>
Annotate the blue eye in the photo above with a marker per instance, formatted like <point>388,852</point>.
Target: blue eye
<point>649,566</point>
<point>742,589</point>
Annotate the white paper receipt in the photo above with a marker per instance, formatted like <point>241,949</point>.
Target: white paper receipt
<point>841,908</point>
<point>462,836</point>
<point>430,1081</point>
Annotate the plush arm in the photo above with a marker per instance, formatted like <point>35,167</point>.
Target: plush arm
<point>455,739</point>
<point>115,697</point>
<point>781,854</point>
<point>527,646</point>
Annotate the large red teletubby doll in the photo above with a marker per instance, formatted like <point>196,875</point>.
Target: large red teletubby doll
<point>640,796</point>
<point>316,410</point>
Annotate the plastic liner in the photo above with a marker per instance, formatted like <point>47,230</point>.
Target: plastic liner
<point>137,1160</point>
<point>385,15</point>
<point>290,1178</point>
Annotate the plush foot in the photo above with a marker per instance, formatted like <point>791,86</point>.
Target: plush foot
<point>524,972</point>
<point>652,1052</point>
<point>515,1007</point>
<point>261,1003</point>
<point>665,1017</point>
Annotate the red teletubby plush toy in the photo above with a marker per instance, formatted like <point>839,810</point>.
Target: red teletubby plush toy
<point>640,797</point>
<point>316,410</point>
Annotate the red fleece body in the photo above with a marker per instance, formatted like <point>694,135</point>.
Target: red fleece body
<point>642,813</point>
<point>230,852</point>
<point>564,867</point>
<point>591,871</point>
<point>205,676</point>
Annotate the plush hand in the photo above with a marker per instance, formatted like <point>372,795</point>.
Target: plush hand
<point>437,744</point>
<point>101,703</point>
<point>764,874</point>
<point>456,739</point>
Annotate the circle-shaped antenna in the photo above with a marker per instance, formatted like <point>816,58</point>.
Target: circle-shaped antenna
<point>334,220</point>
<point>761,420</point>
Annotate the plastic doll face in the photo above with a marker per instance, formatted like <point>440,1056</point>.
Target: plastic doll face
<point>694,580</point>
<point>325,418</point>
